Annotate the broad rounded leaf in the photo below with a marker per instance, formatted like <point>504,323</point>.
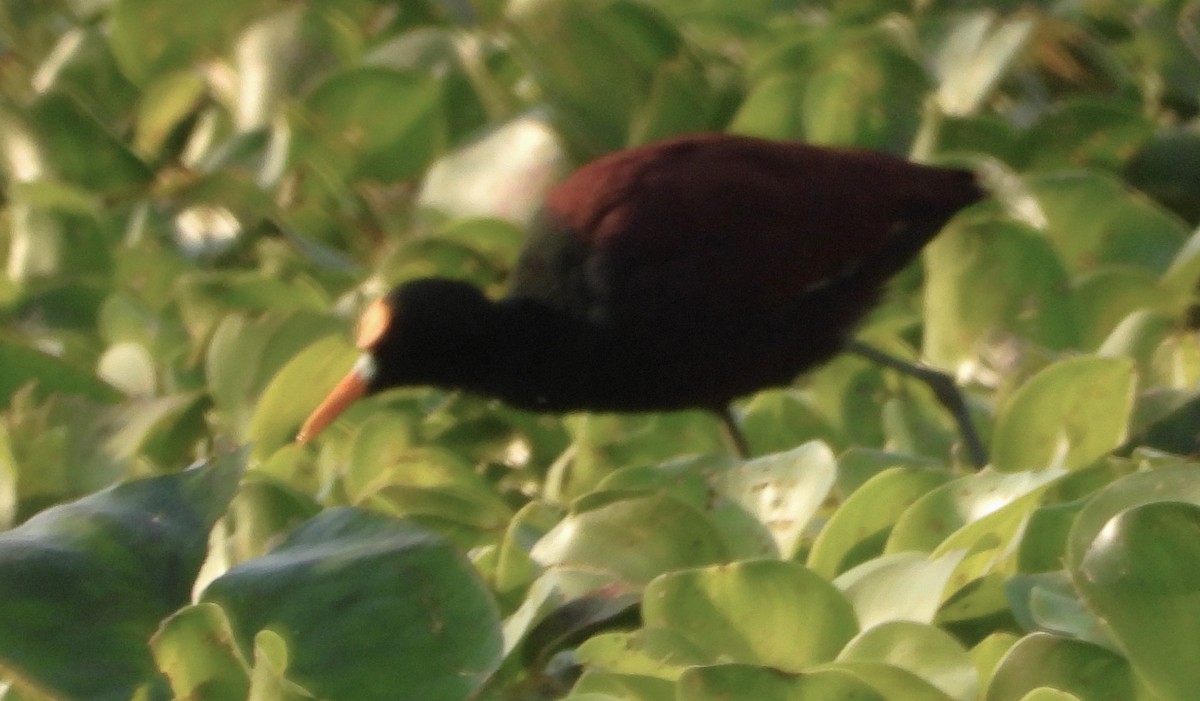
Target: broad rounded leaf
<point>891,681</point>
<point>1171,483</point>
<point>957,505</point>
<point>84,585</point>
<point>926,651</point>
<point>386,124</point>
<point>1067,415</point>
<point>859,528</point>
<point>990,280</point>
<point>634,540</point>
<point>782,490</point>
<point>296,390</point>
<point>765,612</point>
<point>739,681</point>
<point>865,95</point>
<point>664,653</point>
<point>1049,602</point>
<point>1142,575</point>
<point>367,605</point>
<point>607,686</point>
<point>594,62</point>
<point>1106,296</point>
<point>1094,220</point>
<point>426,484</point>
<point>196,650</point>
<point>898,587</point>
<point>1083,669</point>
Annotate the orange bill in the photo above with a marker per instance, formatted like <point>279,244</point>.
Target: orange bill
<point>351,387</point>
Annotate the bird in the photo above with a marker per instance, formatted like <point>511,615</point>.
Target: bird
<point>681,274</point>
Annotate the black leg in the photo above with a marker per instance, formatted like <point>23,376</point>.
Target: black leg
<point>733,433</point>
<point>943,388</point>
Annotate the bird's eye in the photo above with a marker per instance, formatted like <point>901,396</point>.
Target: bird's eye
<point>373,323</point>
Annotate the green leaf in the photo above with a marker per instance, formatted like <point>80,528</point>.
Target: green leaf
<point>435,487</point>
<point>776,420</point>
<point>151,37</point>
<point>82,65</point>
<point>771,110</point>
<point>368,604</point>
<point>74,146</point>
<point>1141,575</point>
<point>986,655</point>
<point>1045,693</point>
<point>1093,220</point>
<point>85,584</point>
<point>164,430</point>
<point>607,686</point>
<point>595,62</point>
<point>958,505</point>
<point>664,653</point>
<point>782,490</point>
<point>378,122</point>
<point>1108,295</point>
<point>633,540</point>
<point>679,101</point>
<point>163,107</point>
<point>990,281</point>
<point>926,651</point>
<point>859,528</point>
<point>765,612</point>
<point>1082,669</point>
<point>868,95</point>
<point>1184,273</point>
<point>1088,131</point>
<point>268,681</point>
<point>890,680</point>
<point>296,390</point>
<point>898,587</point>
<point>978,50</point>
<point>1044,542</point>
<point>739,681</point>
<point>1048,602</point>
<point>1068,415</point>
<point>245,353</point>
<point>1172,483</point>
<point>49,374</point>
<point>195,649</point>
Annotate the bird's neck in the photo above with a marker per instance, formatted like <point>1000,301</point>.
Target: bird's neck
<point>531,355</point>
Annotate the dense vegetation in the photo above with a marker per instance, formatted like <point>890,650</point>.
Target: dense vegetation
<point>200,197</point>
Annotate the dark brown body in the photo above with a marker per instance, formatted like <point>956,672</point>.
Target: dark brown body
<point>681,274</point>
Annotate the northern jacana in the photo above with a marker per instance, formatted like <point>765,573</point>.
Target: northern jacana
<point>681,274</point>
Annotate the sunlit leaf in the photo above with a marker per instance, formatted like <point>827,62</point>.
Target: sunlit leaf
<point>1068,415</point>
<point>765,612</point>
<point>727,681</point>
<point>898,587</point>
<point>859,528</point>
<point>976,53</point>
<point>635,539</point>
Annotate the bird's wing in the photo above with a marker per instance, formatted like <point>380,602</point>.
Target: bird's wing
<point>719,225</point>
